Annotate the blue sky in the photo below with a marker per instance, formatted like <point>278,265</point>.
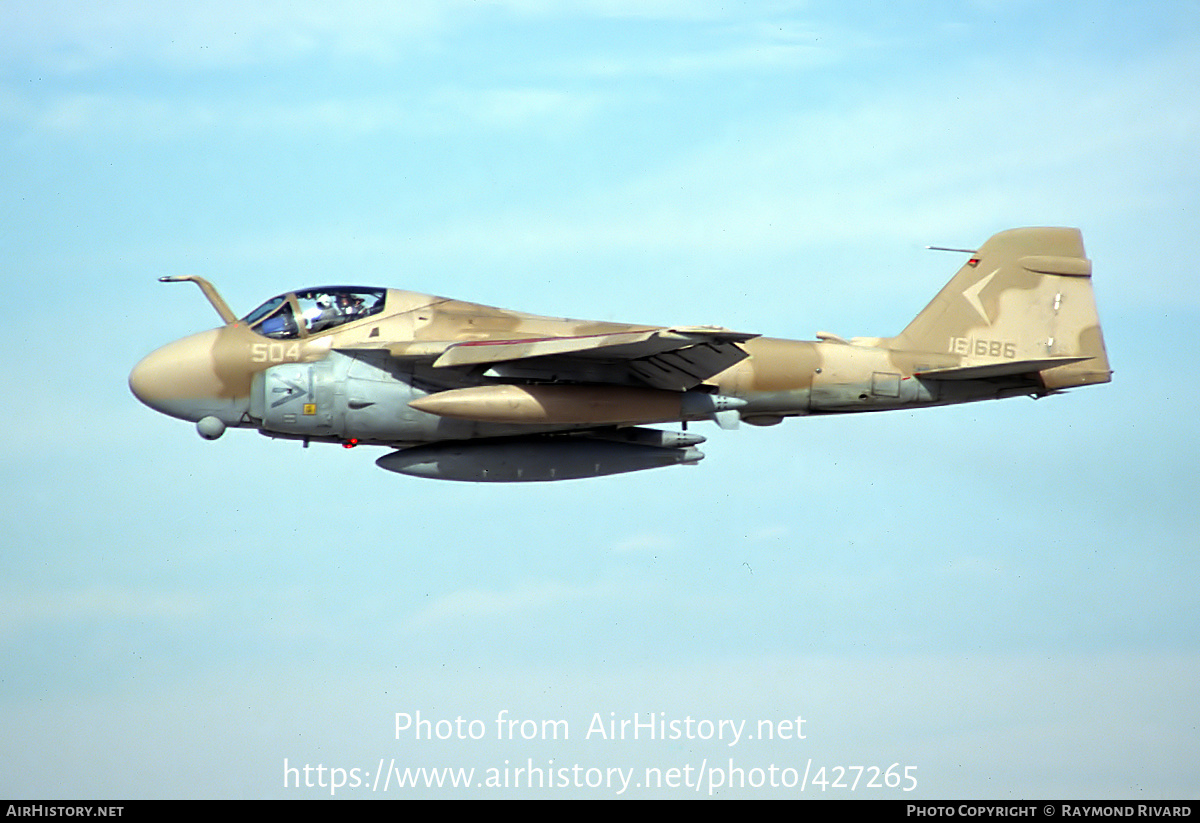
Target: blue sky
<point>1000,595</point>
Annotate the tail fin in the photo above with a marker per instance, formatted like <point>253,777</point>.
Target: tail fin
<point>1023,303</point>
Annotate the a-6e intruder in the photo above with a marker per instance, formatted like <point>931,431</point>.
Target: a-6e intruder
<point>459,391</point>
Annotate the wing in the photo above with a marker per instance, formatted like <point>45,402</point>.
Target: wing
<point>675,359</point>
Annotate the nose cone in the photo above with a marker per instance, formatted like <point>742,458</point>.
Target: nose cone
<point>181,380</point>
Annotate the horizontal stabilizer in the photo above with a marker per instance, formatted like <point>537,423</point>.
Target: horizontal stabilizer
<point>1006,368</point>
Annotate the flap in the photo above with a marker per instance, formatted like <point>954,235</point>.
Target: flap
<point>676,359</point>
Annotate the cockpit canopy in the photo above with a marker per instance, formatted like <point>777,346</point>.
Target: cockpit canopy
<point>314,311</point>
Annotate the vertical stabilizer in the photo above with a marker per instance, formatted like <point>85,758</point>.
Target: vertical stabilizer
<point>1025,297</point>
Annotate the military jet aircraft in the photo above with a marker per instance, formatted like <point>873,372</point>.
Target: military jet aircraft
<point>459,391</point>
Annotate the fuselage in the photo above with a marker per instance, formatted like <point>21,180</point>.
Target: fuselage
<point>367,379</point>
<point>473,392</point>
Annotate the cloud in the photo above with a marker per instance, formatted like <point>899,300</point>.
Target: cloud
<point>24,610</point>
<point>127,116</point>
<point>964,156</point>
<point>470,607</point>
<point>645,543</point>
<point>750,55</point>
<point>68,38</point>
<point>515,109</point>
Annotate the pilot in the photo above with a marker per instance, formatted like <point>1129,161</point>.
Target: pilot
<point>350,305</point>
<point>323,315</point>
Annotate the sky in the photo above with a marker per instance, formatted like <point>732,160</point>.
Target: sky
<point>986,601</point>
